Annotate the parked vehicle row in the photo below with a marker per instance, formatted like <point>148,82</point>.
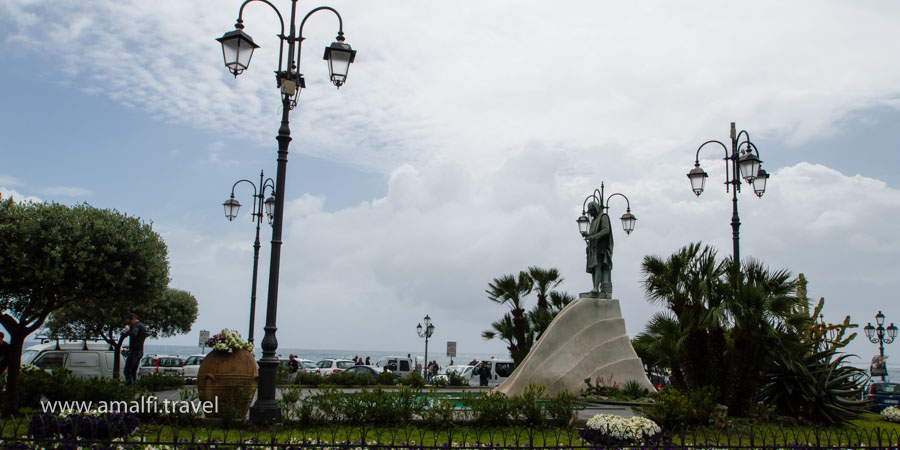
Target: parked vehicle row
<point>96,359</point>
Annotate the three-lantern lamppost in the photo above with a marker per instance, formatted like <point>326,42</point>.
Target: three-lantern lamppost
<point>877,336</point>
<point>425,333</point>
<point>237,49</point>
<point>741,161</point>
<point>231,211</point>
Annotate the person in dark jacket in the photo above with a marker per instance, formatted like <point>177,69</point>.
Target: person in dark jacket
<point>4,353</point>
<point>483,374</point>
<point>136,333</point>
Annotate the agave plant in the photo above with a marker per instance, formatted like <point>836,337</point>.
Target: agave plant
<point>817,387</point>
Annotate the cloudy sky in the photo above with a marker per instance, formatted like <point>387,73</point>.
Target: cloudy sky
<point>462,146</point>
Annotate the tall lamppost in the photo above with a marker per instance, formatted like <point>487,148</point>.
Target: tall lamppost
<point>231,211</point>
<point>740,162</point>
<point>597,234</point>
<point>237,49</point>
<point>876,336</point>
<point>429,330</point>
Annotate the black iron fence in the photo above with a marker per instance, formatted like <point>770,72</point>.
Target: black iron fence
<point>50,432</point>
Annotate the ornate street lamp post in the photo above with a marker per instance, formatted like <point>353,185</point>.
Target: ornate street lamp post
<point>429,330</point>
<point>237,49</point>
<point>743,164</point>
<point>597,233</point>
<point>877,336</point>
<point>231,210</point>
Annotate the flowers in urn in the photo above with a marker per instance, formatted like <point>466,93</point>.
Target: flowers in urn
<point>228,341</point>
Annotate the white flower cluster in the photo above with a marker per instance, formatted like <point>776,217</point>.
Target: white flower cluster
<point>74,412</point>
<point>634,429</point>
<point>891,414</point>
<point>229,341</point>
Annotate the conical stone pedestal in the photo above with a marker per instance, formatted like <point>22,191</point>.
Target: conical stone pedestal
<point>587,339</point>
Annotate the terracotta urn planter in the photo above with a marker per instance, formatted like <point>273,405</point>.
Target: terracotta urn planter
<point>229,381</point>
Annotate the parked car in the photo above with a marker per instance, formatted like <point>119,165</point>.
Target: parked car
<point>192,365</point>
<point>85,359</point>
<point>400,365</point>
<point>330,366</point>
<point>883,394</point>
<point>373,371</point>
<point>463,371</point>
<point>161,364</point>
<point>499,370</point>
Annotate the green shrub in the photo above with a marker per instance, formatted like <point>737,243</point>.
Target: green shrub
<point>455,379</point>
<point>490,410</point>
<point>387,378</point>
<point>817,388</point>
<point>159,382</point>
<point>329,402</point>
<point>632,389</point>
<point>309,379</point>
<point>673,408</point>
<point>440,413</point>
<point>561,409</point>
<point>413,380</point>
<point>527,407</point>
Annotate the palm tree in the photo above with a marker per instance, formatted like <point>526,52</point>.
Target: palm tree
<point>505,331</point>
<point>511,291</point>
<point>545,280</point>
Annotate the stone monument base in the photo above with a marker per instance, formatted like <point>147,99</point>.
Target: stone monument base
<point>587,339</point>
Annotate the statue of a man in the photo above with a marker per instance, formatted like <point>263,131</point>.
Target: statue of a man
<point>599,251</point>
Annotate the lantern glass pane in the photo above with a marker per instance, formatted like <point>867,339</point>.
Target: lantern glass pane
<point>749,167</point>
<point>759,183</point>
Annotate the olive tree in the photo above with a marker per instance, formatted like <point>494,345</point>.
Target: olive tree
<point>55,255</point>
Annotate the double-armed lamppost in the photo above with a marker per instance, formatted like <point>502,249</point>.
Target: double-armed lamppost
<point>237,49</point>
<point>231,211</point>
<point>741,161</point>
<point>877,336</point>
<point>597,234</point>
<point>428,331</point>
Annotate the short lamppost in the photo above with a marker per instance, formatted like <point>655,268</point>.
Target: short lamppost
<point>596,230</point>
<point>237,49</point>
<point>231,211</point>
<point>428,331</point>
<point>877,336</point>
<point>744,163</point>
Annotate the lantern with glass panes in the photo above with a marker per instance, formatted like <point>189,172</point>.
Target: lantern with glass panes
<point>880,336</point>
<point>741,161</point>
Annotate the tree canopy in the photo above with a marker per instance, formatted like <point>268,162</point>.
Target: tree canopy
<point>56,255</point>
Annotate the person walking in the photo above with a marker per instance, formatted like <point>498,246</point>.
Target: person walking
<point>136,333</point>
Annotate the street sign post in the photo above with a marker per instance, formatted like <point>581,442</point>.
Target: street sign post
<point>204,338</point>
<point>451,349</point>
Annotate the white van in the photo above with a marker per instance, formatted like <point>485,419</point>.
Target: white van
<point>400,365</point>
<point>83,359</point>
<point>499,370</point>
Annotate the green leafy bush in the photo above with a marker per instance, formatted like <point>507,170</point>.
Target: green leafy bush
<point>817,388</point>
<point>413,380</point>
<point>490,410</point>
<point>387,378</point>
<point>309,379</point>
<point>159,382</point>
<point>632,389</point>
<point>455,379</point>
<point>527,407</point>
<point>673,408</point>
<point>561,409</point>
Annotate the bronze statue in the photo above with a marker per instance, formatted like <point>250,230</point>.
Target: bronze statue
<point>599,251</point>
<point>597,233</point>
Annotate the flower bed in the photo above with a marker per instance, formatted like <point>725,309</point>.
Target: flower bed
<point>90,424</point>
<point>612,430</point>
